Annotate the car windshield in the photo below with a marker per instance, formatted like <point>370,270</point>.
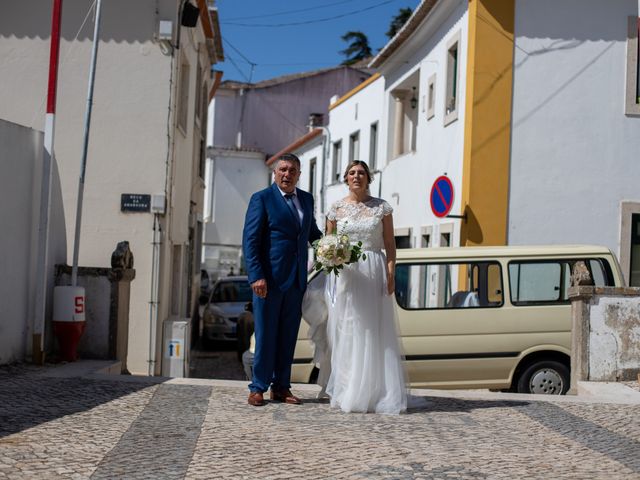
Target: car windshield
<point>238,291</point>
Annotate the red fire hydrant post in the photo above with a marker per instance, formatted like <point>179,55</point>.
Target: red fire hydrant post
<point>68,320</point>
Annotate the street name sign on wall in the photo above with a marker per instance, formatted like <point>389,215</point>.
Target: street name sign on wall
<point>135,202</point>
<point>441,197</point>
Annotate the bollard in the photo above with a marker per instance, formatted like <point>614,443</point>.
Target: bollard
<point>68,320</point>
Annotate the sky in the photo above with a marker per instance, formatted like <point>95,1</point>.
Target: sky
<point>259,32</point>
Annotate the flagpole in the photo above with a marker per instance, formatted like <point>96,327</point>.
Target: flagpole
<point>85,145</point>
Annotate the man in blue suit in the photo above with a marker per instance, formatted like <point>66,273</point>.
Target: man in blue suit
<point>277,230</point>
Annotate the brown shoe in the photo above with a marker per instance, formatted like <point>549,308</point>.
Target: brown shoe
<point>285,396</point>
<point>256,399</point>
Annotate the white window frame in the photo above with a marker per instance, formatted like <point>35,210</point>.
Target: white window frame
<point>632,92</point>
<point>183,96</point>
<point>431,97</point>
<point>426,232</point>
<point>452,90</point>
<point>354,146</point>
<point>373,146</point>
<point>404,232</point>
<point>627,209</point>
<point>336,152</point>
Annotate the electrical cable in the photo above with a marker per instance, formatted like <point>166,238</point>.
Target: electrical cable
<point>238,52</point>
<point>308,22</point>
<point>292,11</point>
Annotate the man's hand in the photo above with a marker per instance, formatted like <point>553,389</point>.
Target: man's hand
<point>260,287</point>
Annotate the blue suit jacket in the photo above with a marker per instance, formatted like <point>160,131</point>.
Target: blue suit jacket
<point>274,242</point>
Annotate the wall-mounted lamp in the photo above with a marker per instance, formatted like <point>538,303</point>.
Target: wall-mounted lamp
<point>414,101</point>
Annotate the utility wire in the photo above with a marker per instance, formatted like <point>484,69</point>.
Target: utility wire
<point>291,11</point>
<point>308,22</point>
<point>239,52</point>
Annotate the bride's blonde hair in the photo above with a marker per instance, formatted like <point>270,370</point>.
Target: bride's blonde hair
<point>364,165</point>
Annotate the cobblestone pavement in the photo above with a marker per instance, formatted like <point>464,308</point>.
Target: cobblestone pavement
<point>64,424</point>
<point>221,364</point>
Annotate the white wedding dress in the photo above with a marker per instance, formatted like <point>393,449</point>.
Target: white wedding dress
<point>366,366</point>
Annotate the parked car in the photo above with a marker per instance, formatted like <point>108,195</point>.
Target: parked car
<point>228,298</point>
<point>482,317</point>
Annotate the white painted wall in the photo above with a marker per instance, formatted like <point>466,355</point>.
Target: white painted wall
<point>574,153</point>
<point>355,114</point>
<point>134,146</point>
<point>20,184</point>
<point>407,180</point>
<point>234,176</point>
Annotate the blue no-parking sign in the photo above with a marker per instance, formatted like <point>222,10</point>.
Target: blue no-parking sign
<point>441,198</point>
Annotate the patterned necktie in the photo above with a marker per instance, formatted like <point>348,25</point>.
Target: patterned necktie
<point>289,199</point>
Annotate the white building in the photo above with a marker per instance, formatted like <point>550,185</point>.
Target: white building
<point>529,109</point>
<point>249,123</point>
<point>576,127</point>
<point>147,137</point>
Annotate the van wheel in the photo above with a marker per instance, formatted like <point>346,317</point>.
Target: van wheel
<point>544,377</point>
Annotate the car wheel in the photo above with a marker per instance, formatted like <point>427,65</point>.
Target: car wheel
<point>244,332</point>
<point>545,377</point>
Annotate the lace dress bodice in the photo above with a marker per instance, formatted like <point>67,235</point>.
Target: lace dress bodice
<point>362,221</point>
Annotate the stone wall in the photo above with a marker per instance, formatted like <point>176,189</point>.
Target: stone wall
<point>605,333</point>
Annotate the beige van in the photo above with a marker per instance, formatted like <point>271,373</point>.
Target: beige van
<point>484,317</point>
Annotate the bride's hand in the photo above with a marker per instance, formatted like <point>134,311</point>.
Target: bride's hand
<point>391,283</point>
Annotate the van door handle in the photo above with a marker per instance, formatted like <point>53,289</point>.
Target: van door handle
<point>556,288</point>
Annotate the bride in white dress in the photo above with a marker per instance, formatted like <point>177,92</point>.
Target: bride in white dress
<point>366,367</point>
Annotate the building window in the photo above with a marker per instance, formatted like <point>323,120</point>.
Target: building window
<point>312,176</point>
<point>445,239</point>
<point>354,146</point>
<point>403,118</point>
<point>183,99</point>
<point>337,160</point>
<point>431,96</point>
<point>634,264</point>
<point>373,146</point>
<point>632,90</point>
<point>453,71</point>
<point>198,103</point>
<point>403,237</point>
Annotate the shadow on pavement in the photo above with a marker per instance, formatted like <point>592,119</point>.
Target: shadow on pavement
<point>452,405</point>
<point>28,398</point>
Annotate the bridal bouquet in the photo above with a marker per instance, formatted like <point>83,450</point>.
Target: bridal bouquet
<point>334,251</point>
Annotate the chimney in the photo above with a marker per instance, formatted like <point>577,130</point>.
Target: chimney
<point>315,120</point>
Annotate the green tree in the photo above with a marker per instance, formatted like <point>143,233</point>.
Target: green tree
<point>358,48</point>
<point>398,21</point>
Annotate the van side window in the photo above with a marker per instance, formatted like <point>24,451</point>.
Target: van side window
<point>421,286</point>
<point>548,282</point>
<point>538,282</point>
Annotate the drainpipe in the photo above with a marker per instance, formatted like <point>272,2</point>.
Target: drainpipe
<point>153,302</point>
<point>326,147</point>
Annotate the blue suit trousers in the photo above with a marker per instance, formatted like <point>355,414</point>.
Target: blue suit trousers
<point>276,320</point>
